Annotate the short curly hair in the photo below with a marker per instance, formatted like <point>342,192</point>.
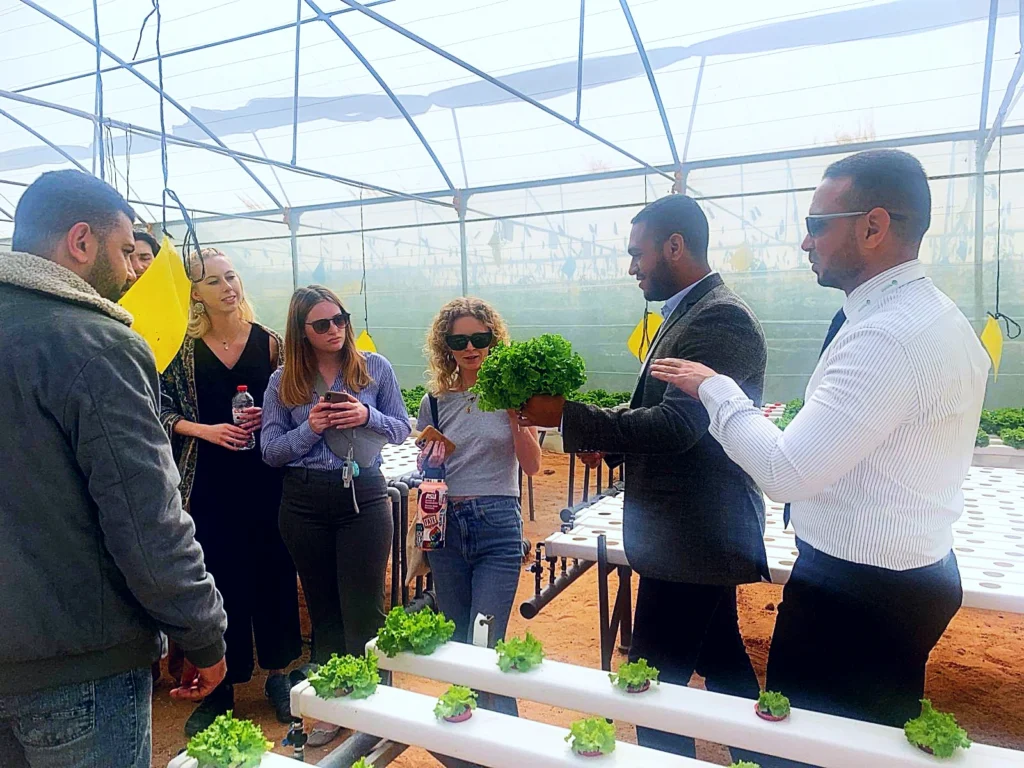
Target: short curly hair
<point>442,370</point>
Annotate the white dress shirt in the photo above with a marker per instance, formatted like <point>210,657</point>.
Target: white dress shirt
<point>874,463</point>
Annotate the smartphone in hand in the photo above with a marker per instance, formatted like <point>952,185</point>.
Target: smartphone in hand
<point>431,435</point>
<point>338,397</point>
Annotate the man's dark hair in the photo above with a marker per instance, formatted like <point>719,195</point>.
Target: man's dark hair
<point>889,179</point>
<point>677,214</point>
<point>148,238</point>
<point>58,200</point>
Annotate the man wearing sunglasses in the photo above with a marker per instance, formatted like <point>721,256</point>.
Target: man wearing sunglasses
<point>874,462</point>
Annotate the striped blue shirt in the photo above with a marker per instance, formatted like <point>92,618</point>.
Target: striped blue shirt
<point>288,440</point>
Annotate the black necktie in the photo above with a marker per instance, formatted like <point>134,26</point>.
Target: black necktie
<point>833,329</point>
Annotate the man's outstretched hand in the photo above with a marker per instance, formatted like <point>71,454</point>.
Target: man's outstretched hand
<point>198,682</point>
<point>684,374</point>
<point>542,411</point>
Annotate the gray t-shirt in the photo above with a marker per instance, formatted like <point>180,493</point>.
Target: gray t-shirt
<point>484,463</point>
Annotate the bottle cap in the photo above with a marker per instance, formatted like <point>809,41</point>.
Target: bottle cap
<point>242,388</point>
<point>433,473</point>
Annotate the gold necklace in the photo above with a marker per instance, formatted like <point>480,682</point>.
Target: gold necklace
<point>227,344</point>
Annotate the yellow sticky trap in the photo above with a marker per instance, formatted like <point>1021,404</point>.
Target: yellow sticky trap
<point>742,258</point>
<point>364,342</point>
<point>637,342</point>
<point>159,303</point>
<point>992,340</point>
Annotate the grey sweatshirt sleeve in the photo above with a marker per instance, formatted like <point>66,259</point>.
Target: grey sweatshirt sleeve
<point>113,411</point>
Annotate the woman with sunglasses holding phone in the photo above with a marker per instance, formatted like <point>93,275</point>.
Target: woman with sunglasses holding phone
<point>232,495</point>
<point>477,570</point>
<point>337,527</point>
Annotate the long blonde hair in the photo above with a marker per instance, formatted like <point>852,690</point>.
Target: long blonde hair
<point>442,370</point>
<point>199,322</point>
<point>298,378</point>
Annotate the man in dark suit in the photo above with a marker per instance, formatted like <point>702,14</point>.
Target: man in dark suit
<point>693,520</point>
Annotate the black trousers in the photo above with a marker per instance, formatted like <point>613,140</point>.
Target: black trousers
<point>853,640</point>
<point>682,628</point>
<point>341,554</point>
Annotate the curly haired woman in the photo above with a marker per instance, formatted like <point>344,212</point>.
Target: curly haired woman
<point>477,570</point>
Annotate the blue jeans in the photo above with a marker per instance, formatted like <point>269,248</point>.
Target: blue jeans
<point>99,724</point>
<point>477,571</point>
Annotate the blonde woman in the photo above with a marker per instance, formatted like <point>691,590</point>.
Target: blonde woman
<point>477,571</point>
<point>338,534</point>
<point>232,495</point>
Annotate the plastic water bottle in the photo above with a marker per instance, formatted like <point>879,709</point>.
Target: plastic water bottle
<point>240,402</point>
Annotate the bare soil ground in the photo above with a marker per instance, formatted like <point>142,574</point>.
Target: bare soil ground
<point>976,671</point>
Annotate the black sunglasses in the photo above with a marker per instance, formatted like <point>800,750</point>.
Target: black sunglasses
<point>340,320</point>
<point>817,223</point>
<point>460,342</point>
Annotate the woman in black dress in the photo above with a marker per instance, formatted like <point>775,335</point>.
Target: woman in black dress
<point>232,495</point>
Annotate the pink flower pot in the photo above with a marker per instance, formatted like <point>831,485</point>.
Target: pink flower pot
<point>461,717</point>
<point>767,716</point>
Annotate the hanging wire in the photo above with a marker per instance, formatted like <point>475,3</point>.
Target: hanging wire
<point>1013,329</point>
<point>191,250</point>
<point>362,286</point>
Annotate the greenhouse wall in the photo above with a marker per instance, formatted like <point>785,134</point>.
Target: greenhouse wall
<point>554,258</point>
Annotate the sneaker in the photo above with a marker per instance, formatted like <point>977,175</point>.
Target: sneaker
<point>217,703</point>
<point>278,693</point>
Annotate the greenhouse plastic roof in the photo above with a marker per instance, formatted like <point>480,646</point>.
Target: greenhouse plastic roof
<point>423,97</point>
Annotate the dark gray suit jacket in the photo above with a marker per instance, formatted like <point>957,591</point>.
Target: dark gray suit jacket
<point>690,513</point>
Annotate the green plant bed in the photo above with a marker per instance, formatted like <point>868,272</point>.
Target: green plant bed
<point>229,743</point>
<point>1013,437</point>
<point>996,420</point>
<point>413,397</point>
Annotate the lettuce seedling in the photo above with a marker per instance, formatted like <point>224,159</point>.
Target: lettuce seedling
<point>422,632</point>
<point>740,764</point>
<point>592,736</point>
<point>454,702</point>
<point>936,732</point>
<point>1013,437</point>
<point>229,743</point>
<point>634,676</point>
<point>521,655</point>
<point>773,704</point>
<point>354,676</point>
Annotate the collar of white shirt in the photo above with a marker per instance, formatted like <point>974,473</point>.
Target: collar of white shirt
<point>866,297</point>
<point>670,306</point>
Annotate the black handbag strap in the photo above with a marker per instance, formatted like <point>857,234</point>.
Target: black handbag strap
<point>433,412</point>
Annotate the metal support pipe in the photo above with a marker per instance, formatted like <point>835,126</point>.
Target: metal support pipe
<point>163,94</point>
<point>295,93</point>
<point>689,126</point>
<point>234,153</point>
<point>461,199</point>
<point>493,81</point>
<point>383,84</point>
<point>98,124</point>
<point>579,64</point>
<point>191,49</point>
<point>529,609</point>
<point>403,494</point>
<point>651,79</point>
<point>990,46</point>
<point>350,750</point>
<point>602,601</point>
<point>43,139</point>
<point>979,236</point>
<point>293,228</point>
